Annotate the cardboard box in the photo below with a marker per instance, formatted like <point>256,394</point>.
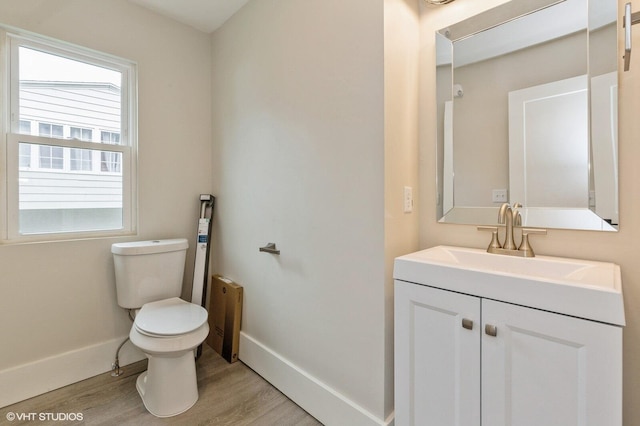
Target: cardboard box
<point>225,314</point>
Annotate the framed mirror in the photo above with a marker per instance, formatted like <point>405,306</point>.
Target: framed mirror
<point>527,113</point>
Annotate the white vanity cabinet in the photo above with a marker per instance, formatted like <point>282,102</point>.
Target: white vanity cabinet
<point>465,359</point>
<point>540,368</point>
<point>437,361</point>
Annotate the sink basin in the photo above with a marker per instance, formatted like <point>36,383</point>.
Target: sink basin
<point>581,288</point>
<point>599,274</point>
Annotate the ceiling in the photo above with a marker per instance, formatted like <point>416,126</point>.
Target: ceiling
<point>203,15</point>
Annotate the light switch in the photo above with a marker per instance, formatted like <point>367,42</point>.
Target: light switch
<point>408,199</point>
<point>499,196</point>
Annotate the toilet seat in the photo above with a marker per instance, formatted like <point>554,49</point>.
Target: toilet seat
<point>169,318</point>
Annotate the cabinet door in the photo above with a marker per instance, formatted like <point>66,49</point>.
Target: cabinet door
<point>437,360</point>
<point>549,369</point>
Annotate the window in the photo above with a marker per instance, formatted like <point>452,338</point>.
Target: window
<point>25,150</point>
<point>50,130</point>
<point>81,134</point>
<point>70,141</point>
<point>81,158</point>
<point>51,157</point>
<point>110,161</point>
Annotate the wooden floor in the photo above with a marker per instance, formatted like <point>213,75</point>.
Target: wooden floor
<point>230,394</point>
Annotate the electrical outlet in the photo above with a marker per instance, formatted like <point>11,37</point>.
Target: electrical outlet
<point>499,196</point>
<point>408,199</point>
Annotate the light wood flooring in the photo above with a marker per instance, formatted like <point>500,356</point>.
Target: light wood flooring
<point>230,394</point>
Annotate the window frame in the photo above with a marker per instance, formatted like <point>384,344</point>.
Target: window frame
<point>10,41</point>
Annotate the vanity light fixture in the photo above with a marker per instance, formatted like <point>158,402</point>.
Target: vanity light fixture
<point>438,2</point>
<point>629,20</point>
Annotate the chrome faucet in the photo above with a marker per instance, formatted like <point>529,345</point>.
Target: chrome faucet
<point>510,217</point>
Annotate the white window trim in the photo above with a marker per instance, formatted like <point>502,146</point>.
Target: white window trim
<point>10,127</point>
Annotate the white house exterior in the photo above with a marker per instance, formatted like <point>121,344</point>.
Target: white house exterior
<point>64,184</point>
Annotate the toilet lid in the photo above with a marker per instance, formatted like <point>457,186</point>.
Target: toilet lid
<point>170,317</point>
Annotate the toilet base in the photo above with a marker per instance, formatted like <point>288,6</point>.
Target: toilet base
<point>169,386</point>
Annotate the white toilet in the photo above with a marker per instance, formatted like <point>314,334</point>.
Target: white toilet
<point>166,328</point>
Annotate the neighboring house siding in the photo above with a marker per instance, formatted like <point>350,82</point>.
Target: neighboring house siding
<point>87,106</point>
<point>90,106</point>
<point>67,190</point>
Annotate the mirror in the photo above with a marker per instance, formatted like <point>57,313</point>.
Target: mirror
<point>527,113</point>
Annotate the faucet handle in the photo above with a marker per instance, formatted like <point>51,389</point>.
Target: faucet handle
<point>525,247</point>
<point>495,241</point>
<point>538,231</point>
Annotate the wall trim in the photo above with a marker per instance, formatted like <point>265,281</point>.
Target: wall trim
<point>320,400</point>
<point>44,375</point>
<point>317,398</point>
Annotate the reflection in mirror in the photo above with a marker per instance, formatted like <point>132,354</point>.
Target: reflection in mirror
<point>527,113</point>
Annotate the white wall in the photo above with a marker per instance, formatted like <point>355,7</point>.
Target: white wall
<point>401,76</point>
<point>621,248</point>
<point>299,160</point>
<point>481,117</point>
<point>302,157</point>
<point>60,320</point>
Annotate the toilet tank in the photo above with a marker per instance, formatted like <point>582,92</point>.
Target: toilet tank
<point>147,271</point>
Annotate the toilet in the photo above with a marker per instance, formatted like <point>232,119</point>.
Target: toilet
<point>166,328</point>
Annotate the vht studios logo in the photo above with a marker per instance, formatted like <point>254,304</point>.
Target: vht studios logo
<point>51,417</point>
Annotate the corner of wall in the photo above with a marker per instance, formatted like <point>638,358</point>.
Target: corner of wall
<point>401,50</point>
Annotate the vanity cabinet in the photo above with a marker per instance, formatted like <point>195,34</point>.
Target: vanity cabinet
<point>463,359</point>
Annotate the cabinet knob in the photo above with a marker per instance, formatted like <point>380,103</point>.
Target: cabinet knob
<point>467,323</point>
<point>491,330</point>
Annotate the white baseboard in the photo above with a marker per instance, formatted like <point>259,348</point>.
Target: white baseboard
<point>38,377</point>
<point>318,399</point>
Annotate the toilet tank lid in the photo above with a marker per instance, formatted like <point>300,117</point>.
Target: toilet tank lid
<point>149,247</point>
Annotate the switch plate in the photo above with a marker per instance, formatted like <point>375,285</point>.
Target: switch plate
<point>408,199</point>
<point>499,196</point>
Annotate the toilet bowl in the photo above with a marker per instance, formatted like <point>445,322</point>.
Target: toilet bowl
<point>166,328</point>
<point>168,331</point>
